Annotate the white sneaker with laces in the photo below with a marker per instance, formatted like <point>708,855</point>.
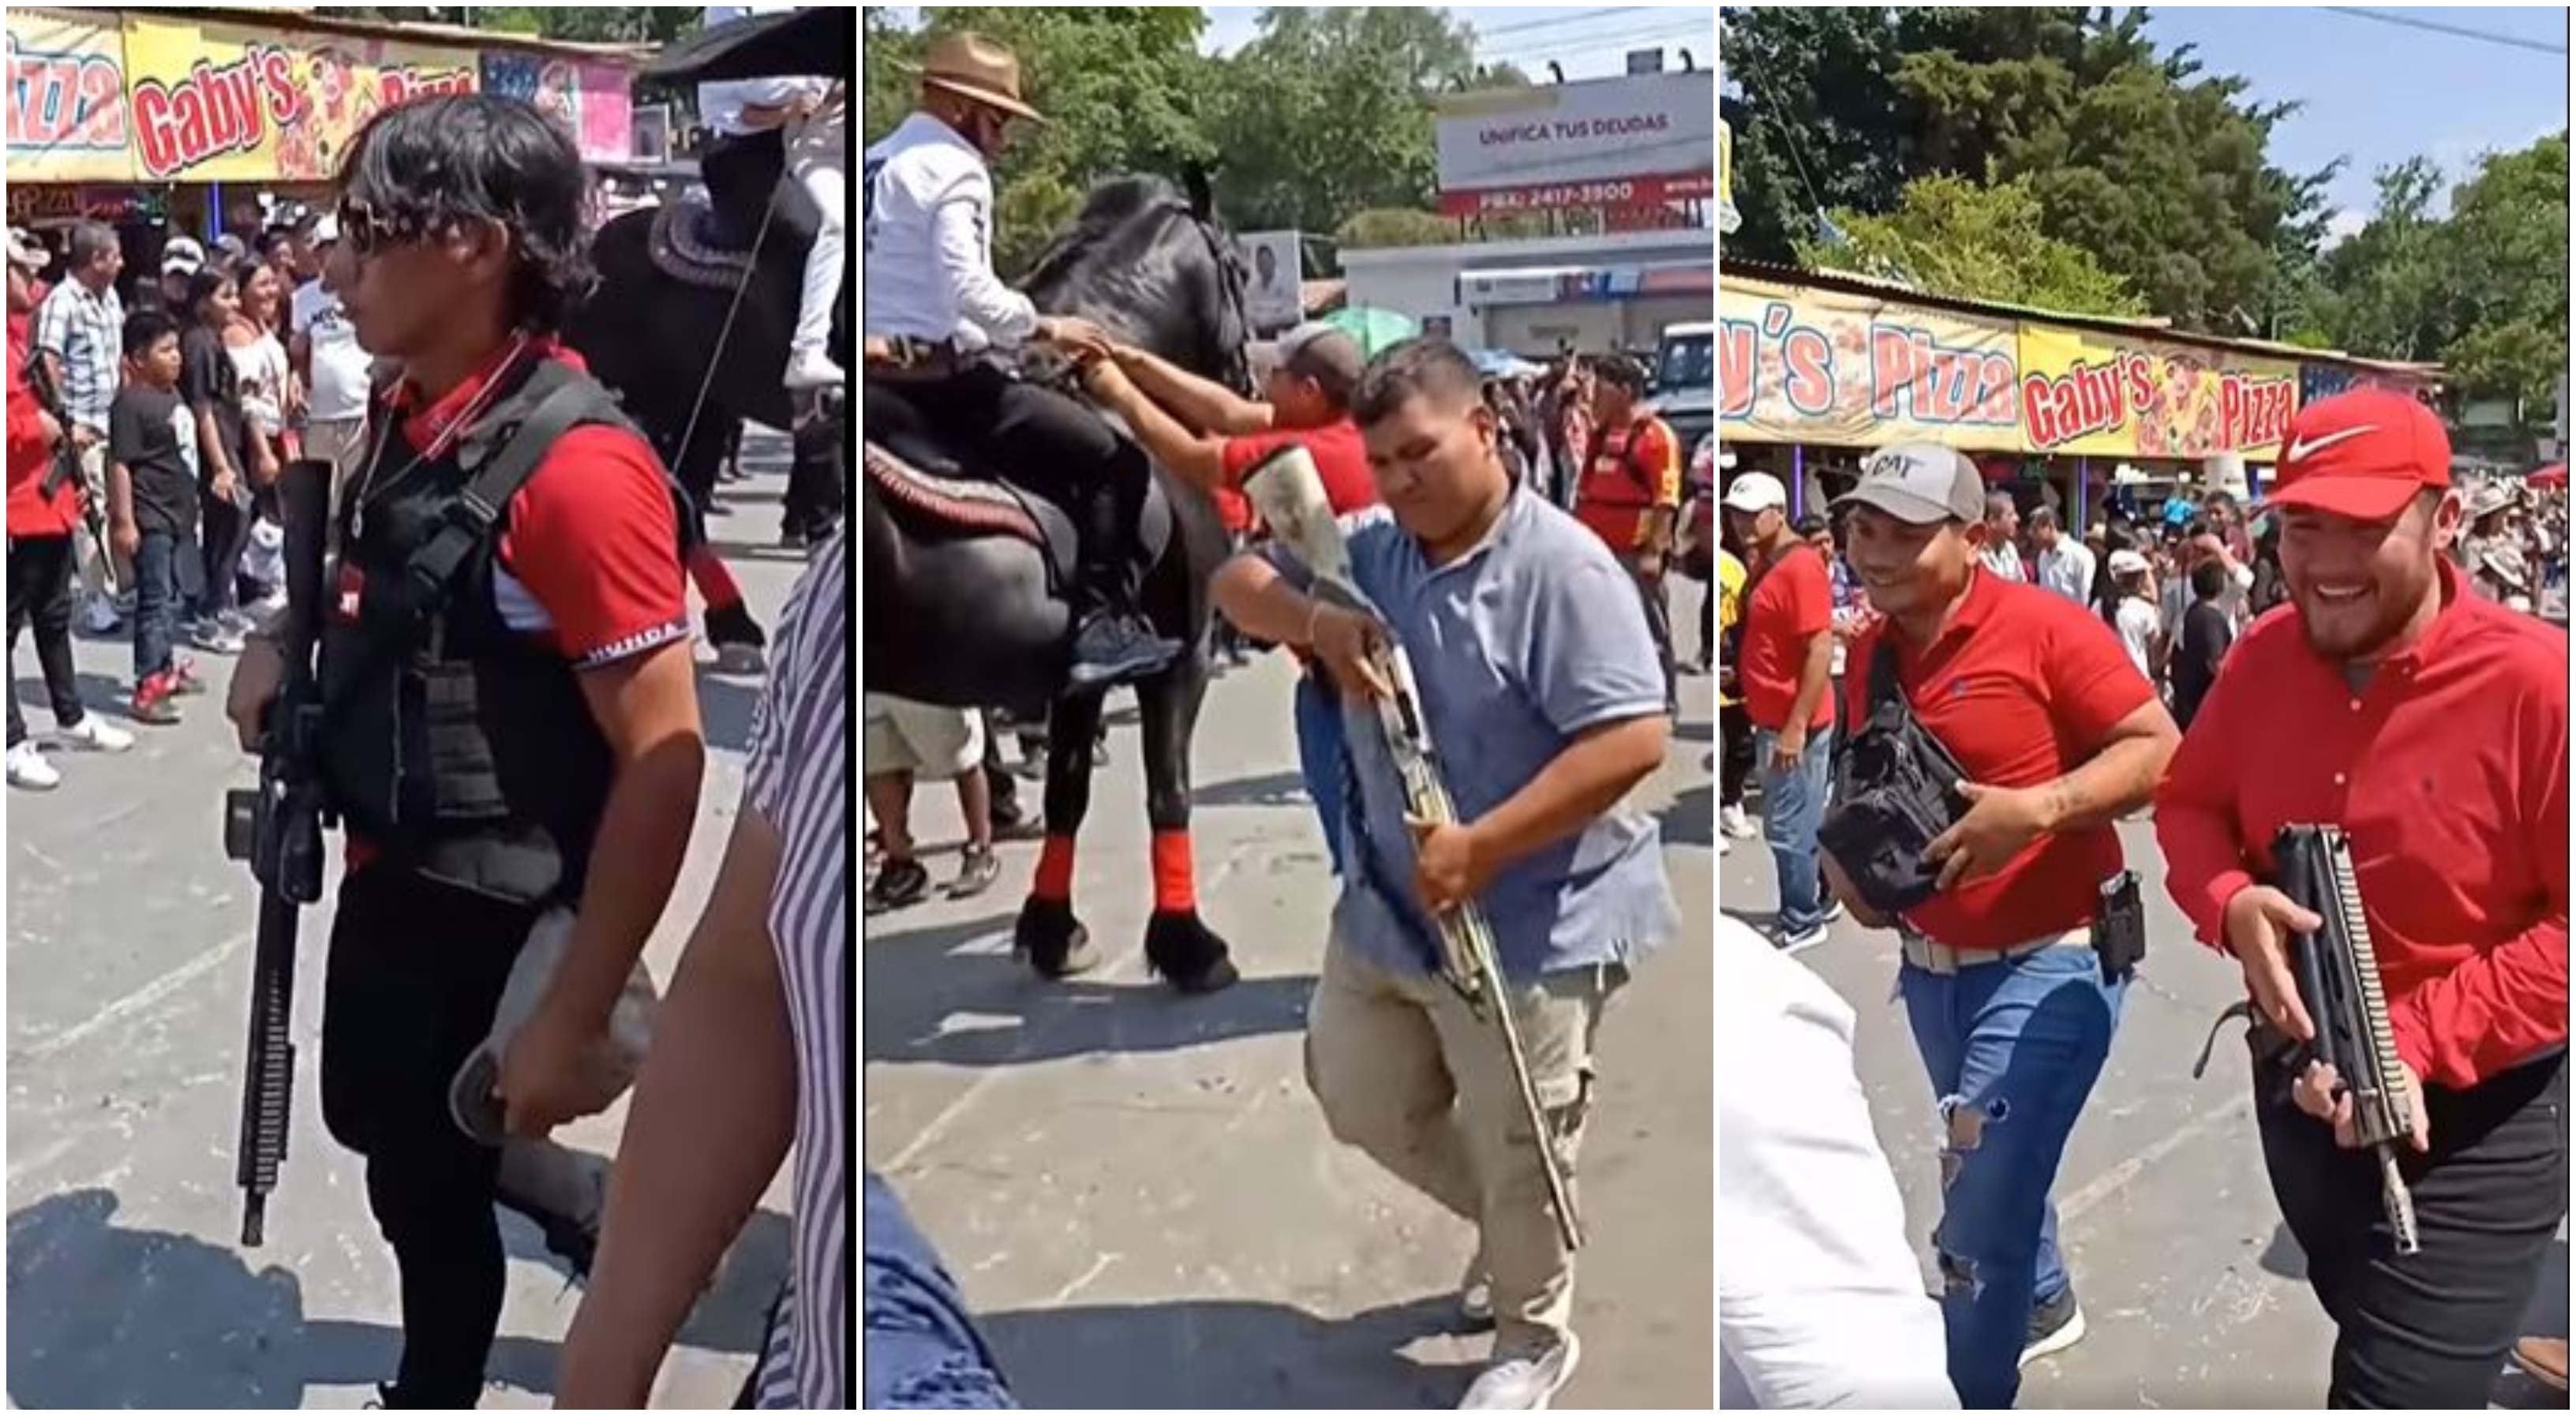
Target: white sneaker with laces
<point>29,771</point>
<point>100,617</point>
<point>97,734</point>
<point>1524,1381</point>
<point>1734,823</point>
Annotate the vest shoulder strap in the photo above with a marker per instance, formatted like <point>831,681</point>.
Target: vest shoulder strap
<point>563,399</point>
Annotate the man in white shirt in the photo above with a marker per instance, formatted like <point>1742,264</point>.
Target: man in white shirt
<point>2142,631</point>
<point>1820,1302</point>
<point>2065,564</point>
<point>324,350</point>
<point>2200,544</point>
<point>935,310</point>
<point>2002,555</point>
<point>760,126</point>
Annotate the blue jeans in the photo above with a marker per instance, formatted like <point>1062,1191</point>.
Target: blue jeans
<point>1793,806</point>
<point>156,602</point>
<point>1319,757</point>
<point>924,1351</point>
<point>2013,1050</point>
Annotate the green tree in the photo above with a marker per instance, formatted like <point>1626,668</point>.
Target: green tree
<point>1959,237</point>
<point>582,24</point>
<point>2384,288</point>
<point>1394,226</point>
<point>2504,253</point>
<point>1329,112</point>
<point>2133,155</point>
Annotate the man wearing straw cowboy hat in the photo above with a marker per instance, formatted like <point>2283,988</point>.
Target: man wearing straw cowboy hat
<point>935,310</point>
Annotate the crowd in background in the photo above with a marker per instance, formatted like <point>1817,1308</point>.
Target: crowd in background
<point>176,394</point>
<point>2177,579</point>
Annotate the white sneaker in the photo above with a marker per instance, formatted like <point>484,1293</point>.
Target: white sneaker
<point>1524,1381</point>
<point>29,771</point>
<point>97,734</point>
<point>1732,821</point>
<point>100,617</point>
<point>811,369</point>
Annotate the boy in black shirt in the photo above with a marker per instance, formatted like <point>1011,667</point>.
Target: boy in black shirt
<point>152,504</point>
<point>2206,635</point>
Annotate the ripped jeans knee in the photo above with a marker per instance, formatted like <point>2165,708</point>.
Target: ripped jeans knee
<point>1963,1124</point>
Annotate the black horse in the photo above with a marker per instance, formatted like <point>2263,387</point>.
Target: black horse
<point>691,330</point>
<point>954,614</point>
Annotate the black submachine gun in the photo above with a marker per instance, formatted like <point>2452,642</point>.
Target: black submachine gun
<point>277,828</point>
<point>2338,979</point>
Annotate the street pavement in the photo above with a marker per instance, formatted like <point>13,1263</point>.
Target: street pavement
<point>129,954</point>
<point>2193,1291</point>
<point>1135,1189</point>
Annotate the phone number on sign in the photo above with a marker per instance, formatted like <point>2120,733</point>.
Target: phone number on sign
<point>1619,192</point>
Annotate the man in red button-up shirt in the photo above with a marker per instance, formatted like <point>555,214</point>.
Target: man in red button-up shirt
<point>2432,727</point>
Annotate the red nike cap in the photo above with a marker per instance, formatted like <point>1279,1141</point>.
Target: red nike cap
<point>2363,454</point>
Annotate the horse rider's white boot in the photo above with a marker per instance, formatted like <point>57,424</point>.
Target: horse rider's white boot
<point>811,368</point>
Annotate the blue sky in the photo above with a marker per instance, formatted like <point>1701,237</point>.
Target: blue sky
<point>2378,93</point>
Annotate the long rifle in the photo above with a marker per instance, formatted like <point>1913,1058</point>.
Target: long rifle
<point>277,828</point>
<point>1289,495</point>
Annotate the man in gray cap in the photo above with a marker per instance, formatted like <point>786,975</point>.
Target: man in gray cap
<point>2059,736</point>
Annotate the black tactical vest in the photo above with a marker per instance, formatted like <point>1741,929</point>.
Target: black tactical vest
<point>460,747</point>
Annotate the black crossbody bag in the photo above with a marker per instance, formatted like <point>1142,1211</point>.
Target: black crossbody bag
<point>1899,790</point>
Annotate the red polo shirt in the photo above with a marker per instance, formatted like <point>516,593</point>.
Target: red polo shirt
<point>2448,771</point>
<point>2023,687</point>
<point>1341,464</point>
<point>32,514</point>
<point>1791,604</point>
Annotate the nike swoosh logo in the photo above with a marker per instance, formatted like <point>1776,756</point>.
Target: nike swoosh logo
<point>2300,451</point>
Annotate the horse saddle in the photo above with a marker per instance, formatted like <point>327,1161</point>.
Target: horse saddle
<point>696,242</point>
<point>930,488</point>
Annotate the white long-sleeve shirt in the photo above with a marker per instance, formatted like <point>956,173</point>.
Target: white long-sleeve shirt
<point>929,253</point>
<point>721,104</point>
<point>1819,1300</point>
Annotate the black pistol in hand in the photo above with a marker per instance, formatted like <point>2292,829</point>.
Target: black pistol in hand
<point>2338,978</point>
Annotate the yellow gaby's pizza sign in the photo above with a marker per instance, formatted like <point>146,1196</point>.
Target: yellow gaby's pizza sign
<point>2110,396</point>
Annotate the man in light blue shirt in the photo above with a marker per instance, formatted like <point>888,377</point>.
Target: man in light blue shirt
<point>1545,697</point>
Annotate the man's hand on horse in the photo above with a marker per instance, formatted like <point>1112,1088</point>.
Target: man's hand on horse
<point>1085,341</point>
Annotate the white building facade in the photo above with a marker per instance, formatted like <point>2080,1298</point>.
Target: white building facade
<point>1537,297</point>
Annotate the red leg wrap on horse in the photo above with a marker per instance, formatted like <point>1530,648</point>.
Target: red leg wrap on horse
<point>715,583</point>
<point>1055,870</point>
<point>1175,888</point>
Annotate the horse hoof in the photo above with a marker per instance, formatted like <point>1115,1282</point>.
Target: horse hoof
<point>1187,954</point>
<point>1054,942</point>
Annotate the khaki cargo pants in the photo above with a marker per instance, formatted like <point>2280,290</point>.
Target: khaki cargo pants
<point>1405,1072</point>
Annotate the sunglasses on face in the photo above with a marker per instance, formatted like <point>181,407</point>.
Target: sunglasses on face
<point>368,232</point>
